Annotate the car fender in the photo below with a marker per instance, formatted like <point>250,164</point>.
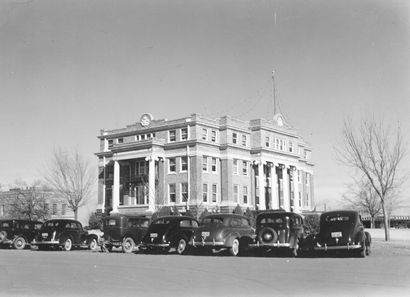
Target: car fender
<point>360,236</point>
<point>230,238</point>
<point>62,236</point>
<point>90,237</point>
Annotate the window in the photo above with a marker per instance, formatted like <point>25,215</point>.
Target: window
<point>142,168</point>
<point>204,134</point>
<point>299,176</point>
<point>213,135</point>
<point>244,140</point>
<point>172,193</point>
<point>300,199</point>
<point>205,192</point>
<point>184,192</point>
<point>110,142</point>
<point>172,165</point>
<point>234,138</point>
<point>63,209</point>
<point>290,146</point>
<point>235,193</point>
<point>54,211</point>
<point>205,163</point>
<point>1,210</point>
<point>213,165</point>
<point>120,140</point>
<point>245,194</point>
<point>214,192</point>
<point>267,141</point>
<point>172,135</point>
<point>184,163</point>
<point>235,166</point>
<point>184,133</point>
<point>281,144</point>
<point>244,167</point>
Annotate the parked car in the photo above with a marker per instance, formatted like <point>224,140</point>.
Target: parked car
<point>342,231</point>
<point>18,233</point>
<point>123,231</point>
<point>170,233</point>
<point>219,232</point>
<point>278,230</point>
<point>65,234</point>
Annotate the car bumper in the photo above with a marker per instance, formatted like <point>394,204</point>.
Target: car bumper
<point>338,247</point>
<point>273,244</point>
<point>6,241</point>
<point>50,242</point>
<point>144,246</point>
<point>208,243</point>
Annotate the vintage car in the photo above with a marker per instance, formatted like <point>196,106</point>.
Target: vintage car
<point>18,233</point>
<point>125,231</point>
<point>220,232</point>
<point>65,234</point>
<point>342,231</point>
<point>169,233</point>
<point>278,230</point>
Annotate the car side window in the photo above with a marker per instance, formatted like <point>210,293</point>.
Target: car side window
<point>26,226</point>
<point>37,226</point>
<point>185,223</point>
<point>144,224</point>
<point>68,226</point>
<point>245,222</point>
<point>194,224</point>
<point>235,222</point>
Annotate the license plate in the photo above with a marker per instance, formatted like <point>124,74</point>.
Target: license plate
<point>205,234</point>
<point>336,234</point>
<point>153,235</point>
<point>44,235</point>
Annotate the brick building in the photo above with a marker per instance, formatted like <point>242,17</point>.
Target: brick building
<point>203,162</point>
<point>57,206</point>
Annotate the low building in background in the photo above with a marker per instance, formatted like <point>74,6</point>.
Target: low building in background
<point>200,162</point>
<point>54,206</point>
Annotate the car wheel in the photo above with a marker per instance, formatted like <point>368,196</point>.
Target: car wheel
<point>93,244</point>
<point>128,245</point>
<point>68,244</point>
<point>19,243</point>
<point>182,244</point>
<point>234,249</point>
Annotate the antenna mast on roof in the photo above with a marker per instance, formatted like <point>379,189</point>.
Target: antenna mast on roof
<point>274,93</point>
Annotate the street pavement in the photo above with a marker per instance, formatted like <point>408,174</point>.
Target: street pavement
<point>90,273</point>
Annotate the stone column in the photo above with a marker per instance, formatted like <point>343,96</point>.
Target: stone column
<point>116,188</point>
<point>275,188</point>
<point>151,183</point>
<point>296,206</point>
<point>261,181</point>
<point>286,188</point>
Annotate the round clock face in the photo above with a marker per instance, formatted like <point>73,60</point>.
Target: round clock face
<point>146,119</point>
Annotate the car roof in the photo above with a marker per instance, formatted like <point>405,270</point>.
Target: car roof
<point>114,216</point>
<point>279,213</point>
<point>340,212</point>
<point>63,220</point>
<point>227,215</point>
<point>176,218</point>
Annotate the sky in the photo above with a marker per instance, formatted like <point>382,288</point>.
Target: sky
<point>71,68</point>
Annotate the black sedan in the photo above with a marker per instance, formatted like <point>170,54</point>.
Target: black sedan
<point>342,231</point>
<point>169,234</point>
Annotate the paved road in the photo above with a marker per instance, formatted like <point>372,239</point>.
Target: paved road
<point>86,273</point>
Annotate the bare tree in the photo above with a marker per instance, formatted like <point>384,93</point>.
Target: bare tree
<point>69,175</point>
<point>30,203</point>
<point>362,196</point>
<point>376,151</point>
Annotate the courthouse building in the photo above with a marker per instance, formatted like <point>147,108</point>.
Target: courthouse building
<point>196,161</point>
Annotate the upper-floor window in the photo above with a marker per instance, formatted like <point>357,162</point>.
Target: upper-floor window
<point>63,209</point>
<point>184,133</point>
<point>245,194</point>
<point>204,134</point>
<point>213,135</point>
<point>172,193</point>
<point>172,165</point>
<point>205,163</point>
<point>184,192</point>
<point>184,163</point>
<point>234,138</point>
<point>281,144</point>
<point>298,176</point>
<point>244,167</point>
<point>267,141</point>
<point>110,142</point>
<point>54,212</point>
<point>235,193</point>
<point>276,143</point>
<point>214,192</point>
<point>120,140</point>
<point>291,147</point>
<point>244,140</point>
<point>213,164</point>
<point>235,166</point>
<point>205,192</point>
<point>172,135</point>
<point>141,168</point>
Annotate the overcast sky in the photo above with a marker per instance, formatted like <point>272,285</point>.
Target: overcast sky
<point>70,68</point>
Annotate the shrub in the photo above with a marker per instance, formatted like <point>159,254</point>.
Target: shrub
<point>238,210</point>
<point>203,214</point>
<point>95,221</point>
<point>162,212</point>
<point>311,222</point>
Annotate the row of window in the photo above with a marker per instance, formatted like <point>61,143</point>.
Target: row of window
<point>139,137</point>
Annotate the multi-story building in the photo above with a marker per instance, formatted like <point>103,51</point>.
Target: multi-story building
<point>197,161</point>
<point>55,205</point>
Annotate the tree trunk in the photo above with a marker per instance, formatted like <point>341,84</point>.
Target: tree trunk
<point>386,224</point>
<point>75,213</point>
<point>371,222</point>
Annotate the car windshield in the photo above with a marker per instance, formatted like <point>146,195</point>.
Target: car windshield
<point>161,222</point>
<point>111,222</point>
<point>51,224</point>
<point>213,220</point>
<point>338,219</point>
